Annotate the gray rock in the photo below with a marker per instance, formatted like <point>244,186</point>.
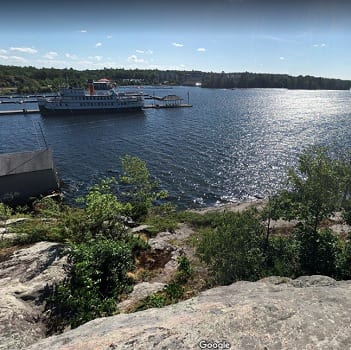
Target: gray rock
<point>274,313</point>
<point>139,228</point>
<point>23,278</point>
<point>140,292</point>
<point>15,221</point>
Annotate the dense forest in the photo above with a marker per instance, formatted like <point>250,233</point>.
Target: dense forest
<point>15,79</point>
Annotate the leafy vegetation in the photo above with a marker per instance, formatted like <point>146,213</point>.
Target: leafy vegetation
<point>232,245</point>
<point>237,245</point>
<point>174,291</point>
<point>96,276</point>
<point>140,190</point>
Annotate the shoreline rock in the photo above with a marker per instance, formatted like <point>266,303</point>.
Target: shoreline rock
<point>23,279</point>
<point>273,313</point>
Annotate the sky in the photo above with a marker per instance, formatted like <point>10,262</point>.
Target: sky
<point>311,37</point>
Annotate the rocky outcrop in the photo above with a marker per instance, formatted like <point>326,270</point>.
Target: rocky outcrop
<point>140,292</point>
<point>274,313</point>
<point>23,279</point>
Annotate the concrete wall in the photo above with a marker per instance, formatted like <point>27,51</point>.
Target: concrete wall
<point>20,187</point>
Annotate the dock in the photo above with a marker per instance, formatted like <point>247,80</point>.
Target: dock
<point>19,111</point>
<point>169,101</point>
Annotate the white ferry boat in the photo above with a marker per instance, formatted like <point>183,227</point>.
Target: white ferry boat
<point>101,97</point>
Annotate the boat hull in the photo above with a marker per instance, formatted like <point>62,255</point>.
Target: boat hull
<point>67,112</point>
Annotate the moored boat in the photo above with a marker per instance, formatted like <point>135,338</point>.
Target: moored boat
<point>101,97</point>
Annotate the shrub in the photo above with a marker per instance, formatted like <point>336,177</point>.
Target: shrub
<point>97,275</point>
<point>162,217</point>
<point>233,248</point>
<point>344,258</point>
<point>5,211</point>
<point>184,271</point>
<point>318,251</point>
<point>282,257</point>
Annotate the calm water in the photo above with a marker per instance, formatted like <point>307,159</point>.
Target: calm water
<point>231,145</point>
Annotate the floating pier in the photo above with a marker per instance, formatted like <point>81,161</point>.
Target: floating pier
<point>169,101</point>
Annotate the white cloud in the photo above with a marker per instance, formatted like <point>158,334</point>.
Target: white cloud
<point>18,59</point>
<point>135,59</point>
<point>13,59</point>
<point>276,38</point>
<point>96,58</point>
<point>83,31</point>
<point>109,36</point>
<point>24,50</point>
<point>71,56</point>
<point>98,44</point>
<point>146,52</point>
<point>319,45</point>
<point>282,58</point>
<point>177,45</point>
<point>3,51</point>
<point>201,49</point>
<point>51,55</point>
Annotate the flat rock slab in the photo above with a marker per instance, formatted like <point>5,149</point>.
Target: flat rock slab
<point>274,313</point>
<point>23,278</point>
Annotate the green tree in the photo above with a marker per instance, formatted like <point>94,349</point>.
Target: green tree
<point>316,188</point>
<point>316,192</point>
<point>140,190</point>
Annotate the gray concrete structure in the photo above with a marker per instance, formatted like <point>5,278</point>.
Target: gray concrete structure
<point>27,174</point>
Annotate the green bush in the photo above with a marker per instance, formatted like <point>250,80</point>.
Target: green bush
<point>162,218</point>
<point>47,207</point>
<point>232,249</point>
<point>5,211</point>
<point>156,300</point>
<point>318,251</point>
<point>344,258</point>
<point>197,220</point>
<point>282,257</point>
<point>174,291</point>
<point>97,275</point>
<point>104,212</point>
<point>184,271</point>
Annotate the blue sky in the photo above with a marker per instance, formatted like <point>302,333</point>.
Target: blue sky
<point>299,37</point>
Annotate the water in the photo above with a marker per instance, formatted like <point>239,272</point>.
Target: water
<point>231,145</point>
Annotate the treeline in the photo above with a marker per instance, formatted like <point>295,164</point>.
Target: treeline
<point>262,80</point>
<point>31,80</point>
